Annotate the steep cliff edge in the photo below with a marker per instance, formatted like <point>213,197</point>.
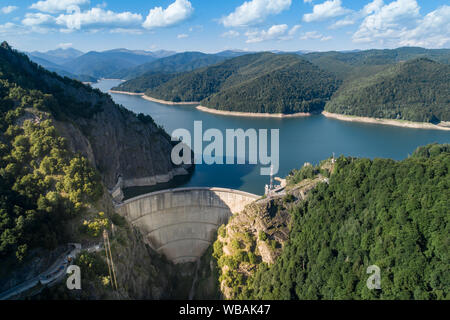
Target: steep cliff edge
<point>62,145</point>
<point>114,139</point>
<point>255,238</point>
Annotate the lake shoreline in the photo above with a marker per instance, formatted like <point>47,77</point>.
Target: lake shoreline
<point>342,117</point>
<point>126,92</point>
<point>390,122</point>
<point>252,114</point>
<point>215,111</point>
<point>144,96</point>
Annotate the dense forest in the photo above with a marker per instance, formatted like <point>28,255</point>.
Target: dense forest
<point>180,62</point>
<point>42,183</point>
<point>406,83</point>
<point>416,90</point>
<point>263,82</point>
<point>370,212</point>
<point>142,83</point>
<point>298,88</point>
<point>356,64</point>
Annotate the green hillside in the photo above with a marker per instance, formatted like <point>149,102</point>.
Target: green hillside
<point>289,83</point>
<point>42,183</point>
<point>180,62</point>
<point>142,83</point>
<point>416,90</point>
<point>48,176</point>
<point>262,82</point>
<point>352,65</point>
<point>105,64</point>
<point>371,212</point>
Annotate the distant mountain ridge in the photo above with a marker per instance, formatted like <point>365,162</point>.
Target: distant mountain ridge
<point>58,56</point>
<point>357,63</point>
<point>60,70</point>
<point>93,65</point>
<point>180,62</point>
<point>103,64</point>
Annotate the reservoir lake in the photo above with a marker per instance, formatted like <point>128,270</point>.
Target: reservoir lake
<point>305,139</point>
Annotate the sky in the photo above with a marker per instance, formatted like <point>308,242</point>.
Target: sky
<point>216,25</point>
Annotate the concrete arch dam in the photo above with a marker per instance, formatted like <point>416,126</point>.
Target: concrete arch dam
<point>181,223</point>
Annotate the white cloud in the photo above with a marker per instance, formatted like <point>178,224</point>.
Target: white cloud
<point>8,9</point>
<point>291,33</point>
<point>175,13</point>
<point>96,18</point>
<point>53,6</point>
<point>198,27</point>
<point>433,31</point>
<point>294,29</point>
<point>355,16</point>
<point>399,23</point>
<point>342,23</point>
<point>230,34</point>
<point>65,45</point>
<point>12,28</point>
<point>326,10</point>
<point>38,19</point>
<point>125,30</point>
<point>254,11</point>
<point>372,7</point>
<point>182,36</point>
<point>326,38</point>
<point>311,35</point>
<point>388,21</point>
<point>274,32</point>
<point>314,35</point>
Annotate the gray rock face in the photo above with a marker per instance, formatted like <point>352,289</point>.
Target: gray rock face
<point>119,144</point>
<point>110,136</point>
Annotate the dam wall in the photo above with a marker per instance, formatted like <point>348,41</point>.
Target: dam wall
<point>181,223</point>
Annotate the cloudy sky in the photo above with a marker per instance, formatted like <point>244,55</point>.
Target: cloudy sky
<point>216,25</point>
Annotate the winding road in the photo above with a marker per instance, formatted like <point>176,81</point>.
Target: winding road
<point>57,271</point>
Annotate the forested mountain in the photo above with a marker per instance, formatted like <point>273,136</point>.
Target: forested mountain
<point>355,64</point>
<point>180,62</point>
<point>142,83</point>
<point>58,56</point>
<point>61,144</point>
<point>60,70</point>
<point>262,82</point>
<point>104,64</point>
<point>286,83</point>
<point>233,53</point>
<point>392,214</point>
<point>416,90</point>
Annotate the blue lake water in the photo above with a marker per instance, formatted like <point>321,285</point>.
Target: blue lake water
<point>309,139</point>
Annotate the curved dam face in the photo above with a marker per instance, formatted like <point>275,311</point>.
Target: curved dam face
<point>181,223</point>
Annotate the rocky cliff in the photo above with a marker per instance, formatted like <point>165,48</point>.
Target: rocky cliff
<point>115,140</point>
<point>255,237</point>
<point>33,103</point>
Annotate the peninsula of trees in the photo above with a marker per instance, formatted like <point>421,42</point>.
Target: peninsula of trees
<point>261,82</point>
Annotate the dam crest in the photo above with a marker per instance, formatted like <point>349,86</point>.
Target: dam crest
<point>181,223</point>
